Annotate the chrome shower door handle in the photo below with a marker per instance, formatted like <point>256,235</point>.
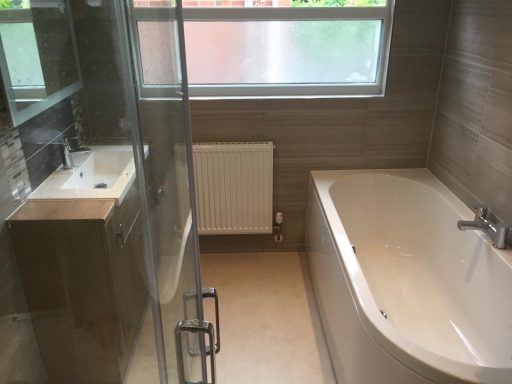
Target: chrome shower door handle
<point>206,293</point>
<point>211,293</point>
<point>194,326</point>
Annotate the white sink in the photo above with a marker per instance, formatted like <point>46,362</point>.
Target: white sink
<point>106,172</point>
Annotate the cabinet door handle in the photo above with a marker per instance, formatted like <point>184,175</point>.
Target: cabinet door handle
<point>121,236</point>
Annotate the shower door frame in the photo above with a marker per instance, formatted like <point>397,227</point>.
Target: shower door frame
<point>129,44</point>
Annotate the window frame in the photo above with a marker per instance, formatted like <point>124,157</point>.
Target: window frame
<point>271,91</point>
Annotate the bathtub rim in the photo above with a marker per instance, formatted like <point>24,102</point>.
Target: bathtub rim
<point>421,360</point>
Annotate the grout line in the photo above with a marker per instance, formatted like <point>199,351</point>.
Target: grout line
<point>500,145</point>
<point>441,76</point>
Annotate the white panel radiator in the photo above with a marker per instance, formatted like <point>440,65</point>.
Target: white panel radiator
<point>234,187</point>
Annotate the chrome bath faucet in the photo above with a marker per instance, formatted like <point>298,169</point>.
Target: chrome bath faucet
<point>498,232</point>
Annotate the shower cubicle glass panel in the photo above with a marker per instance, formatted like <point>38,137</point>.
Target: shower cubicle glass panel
<point>106,244</point>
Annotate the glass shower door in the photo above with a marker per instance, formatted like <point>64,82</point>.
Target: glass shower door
<point>157,55</point>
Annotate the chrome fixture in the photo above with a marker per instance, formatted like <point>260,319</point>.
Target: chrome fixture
<point>498,232</point>
<point>67,158</point>
<point>71,145</point>
<point>278,227</point>
<point>206,293</point>
<point>194,326</point>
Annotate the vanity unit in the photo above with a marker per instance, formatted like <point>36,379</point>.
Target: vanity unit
<point>82,268</point>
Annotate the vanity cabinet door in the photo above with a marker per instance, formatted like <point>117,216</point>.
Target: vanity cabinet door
<point>128,279</point>
<point>134,295</point>
<point>62,257</point>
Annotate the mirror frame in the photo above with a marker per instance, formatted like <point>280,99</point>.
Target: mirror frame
<point>18,117</point>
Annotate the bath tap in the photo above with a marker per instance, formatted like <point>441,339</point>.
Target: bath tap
<point>498,232</point>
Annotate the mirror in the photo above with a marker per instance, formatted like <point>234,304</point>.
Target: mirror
<point>38,56</point>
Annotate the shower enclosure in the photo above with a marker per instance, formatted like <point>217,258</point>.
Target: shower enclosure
<point>105,253</point>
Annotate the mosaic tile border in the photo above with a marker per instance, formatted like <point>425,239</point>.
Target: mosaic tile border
<point>13,160</point>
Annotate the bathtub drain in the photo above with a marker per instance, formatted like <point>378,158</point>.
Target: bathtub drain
<point>384,314</point>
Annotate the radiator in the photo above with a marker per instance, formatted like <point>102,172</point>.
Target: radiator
<point>233,187</point>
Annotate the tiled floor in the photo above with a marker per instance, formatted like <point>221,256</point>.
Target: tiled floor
<point>270,329</point>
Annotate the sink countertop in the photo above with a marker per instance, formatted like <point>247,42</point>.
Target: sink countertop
<point>56,209</point>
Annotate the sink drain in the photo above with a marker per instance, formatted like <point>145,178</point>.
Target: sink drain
<point>100,185</point>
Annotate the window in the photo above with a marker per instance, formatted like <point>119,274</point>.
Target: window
<point>269,48</point>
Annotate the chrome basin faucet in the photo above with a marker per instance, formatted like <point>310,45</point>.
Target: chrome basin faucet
<point>498,232</point>
<point>70,146</point>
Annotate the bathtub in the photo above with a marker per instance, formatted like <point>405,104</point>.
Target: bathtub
<point>404,297</point>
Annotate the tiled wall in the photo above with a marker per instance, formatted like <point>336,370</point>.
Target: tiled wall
<point>471,149</point>
<point>389,132</point>
<point>43,135</point>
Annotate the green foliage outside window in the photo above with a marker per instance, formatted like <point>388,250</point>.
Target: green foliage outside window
<point>14,4</point>
<point>337,3</point>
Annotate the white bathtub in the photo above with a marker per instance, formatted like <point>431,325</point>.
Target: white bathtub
<point>447,293</point>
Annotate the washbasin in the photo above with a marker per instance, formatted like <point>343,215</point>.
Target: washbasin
<point>106,172</point>
<point>101,169</point>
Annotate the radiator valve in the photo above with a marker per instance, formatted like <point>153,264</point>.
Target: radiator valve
<point>278,221</point>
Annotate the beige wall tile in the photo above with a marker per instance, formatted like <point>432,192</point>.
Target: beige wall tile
<point>228,120</point>
<point>471,150</point>
<point>491,181</point>
<point>398,134</point>
<point>497,118</point>
<point>412,83</point>
<point>454,148</point>
<point>464,90</point>
<point>313,128</point>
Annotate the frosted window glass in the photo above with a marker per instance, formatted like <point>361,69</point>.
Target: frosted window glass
<point>283,52</point>
<point>158,52</point>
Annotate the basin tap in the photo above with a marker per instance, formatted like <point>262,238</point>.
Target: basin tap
<point>67,158</point>
<point>70,146</point>
<point>498,232</point>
